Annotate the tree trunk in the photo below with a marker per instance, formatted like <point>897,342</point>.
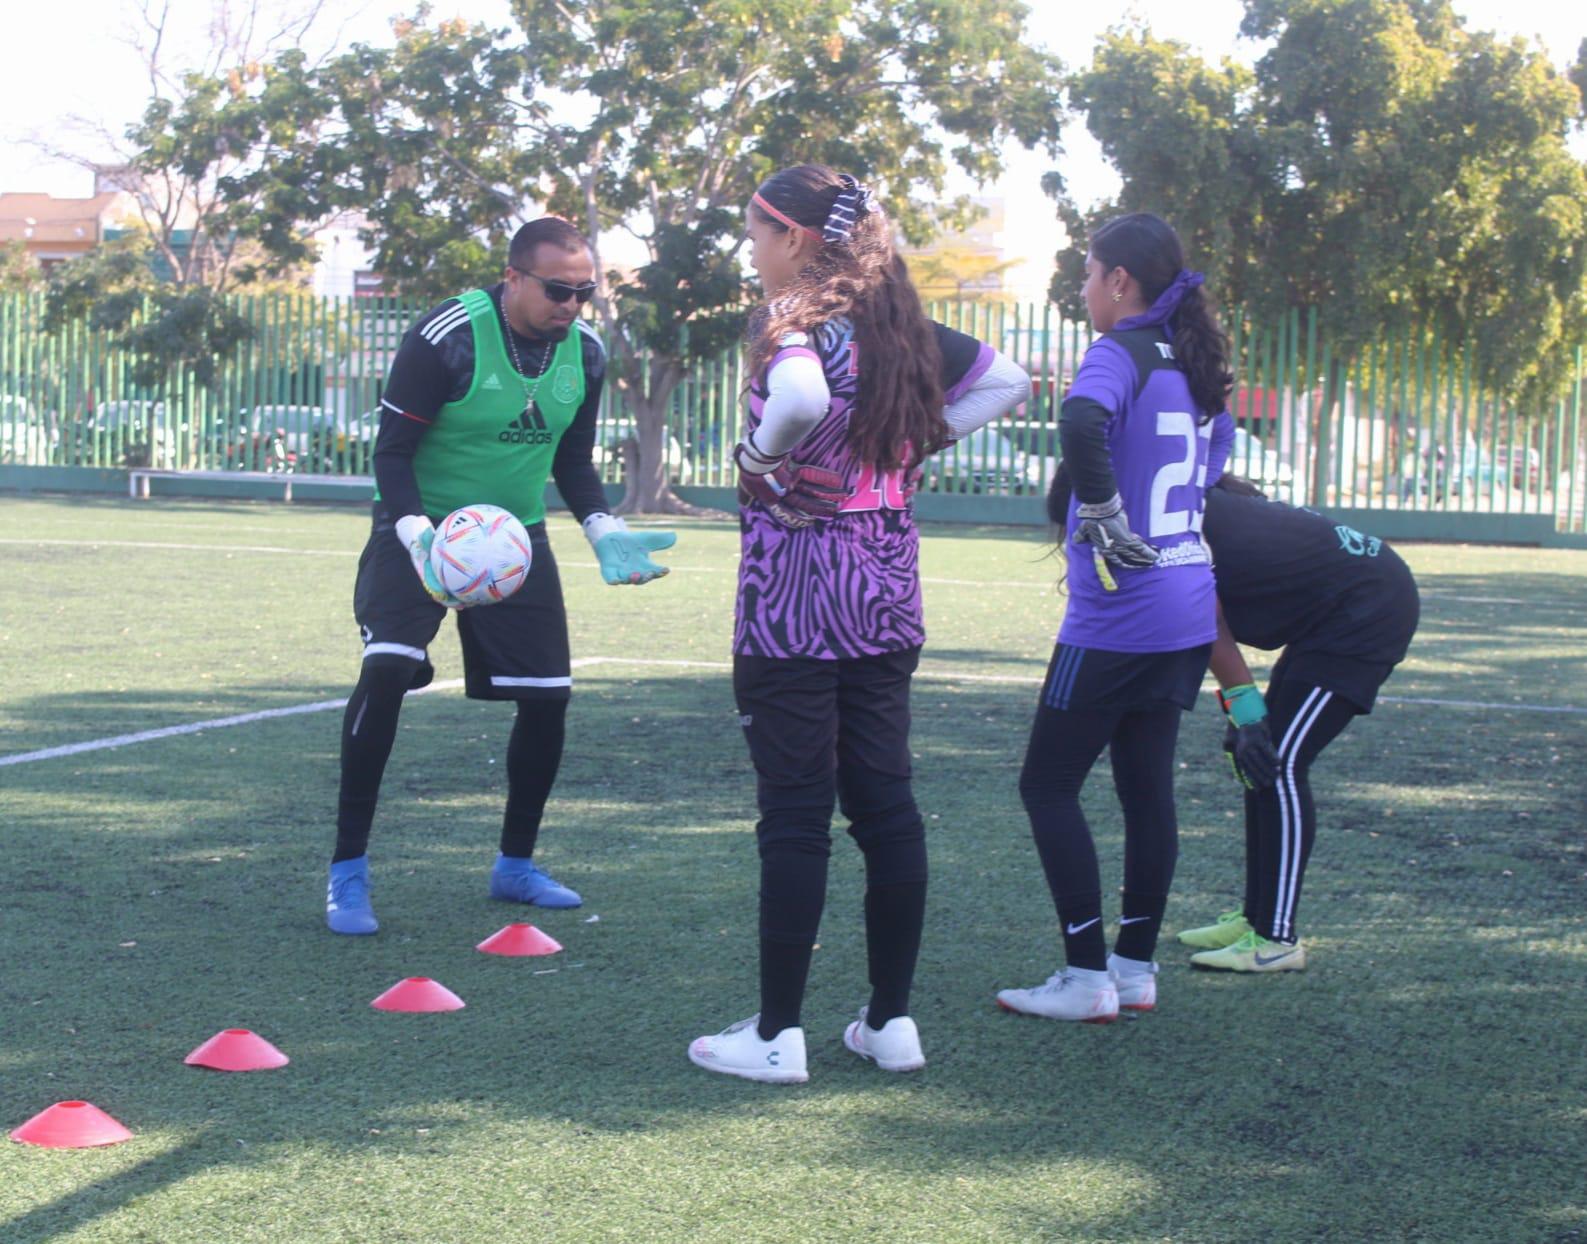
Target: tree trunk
<point>646,469</point>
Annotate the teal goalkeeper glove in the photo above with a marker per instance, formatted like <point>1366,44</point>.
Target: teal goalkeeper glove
<point>417,534</point>
<point>625,555</point>
<point>1248,742</point>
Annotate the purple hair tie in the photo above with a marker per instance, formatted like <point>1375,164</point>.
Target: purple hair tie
<point>1167,303</point>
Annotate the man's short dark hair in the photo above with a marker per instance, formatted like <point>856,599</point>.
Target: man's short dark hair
<point>548,230</point>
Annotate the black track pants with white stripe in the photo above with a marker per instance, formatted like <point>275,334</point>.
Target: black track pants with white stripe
<point>1281,822</point>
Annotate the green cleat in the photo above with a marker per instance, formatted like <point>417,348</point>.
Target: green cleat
<point>1253,953</point>
<point>1229,928</point>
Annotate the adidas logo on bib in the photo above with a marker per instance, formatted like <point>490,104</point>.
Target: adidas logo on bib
<point>528,428</point>
<point>492,381</point>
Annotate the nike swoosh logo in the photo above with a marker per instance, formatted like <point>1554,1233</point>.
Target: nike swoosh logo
<point>1080,928</point>
<point>1263,962</point>
<point>1132,919</point>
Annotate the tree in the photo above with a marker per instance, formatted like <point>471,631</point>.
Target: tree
<point>658,120</point>
<point>958,272</point>
<point>1381,163</point>
<point>20,273</point>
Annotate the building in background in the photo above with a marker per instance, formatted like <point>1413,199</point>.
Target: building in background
<point>54,230</point>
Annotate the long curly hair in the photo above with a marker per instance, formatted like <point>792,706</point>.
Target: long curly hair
<point>1147,247</point>
<point>898,412</point>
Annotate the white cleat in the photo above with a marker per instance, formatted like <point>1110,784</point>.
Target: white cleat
<point>738,1051</point>
<point>1067,995</point>
<point>893,1047</point>
<point>1135,982</point>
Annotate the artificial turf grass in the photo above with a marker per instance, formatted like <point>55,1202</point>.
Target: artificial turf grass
<point>1416,1082</point>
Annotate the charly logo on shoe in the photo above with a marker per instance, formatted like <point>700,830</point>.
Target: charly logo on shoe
<point>1072,929</point>
<point>772,1057</point>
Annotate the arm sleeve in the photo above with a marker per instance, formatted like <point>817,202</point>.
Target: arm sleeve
<point>1218,450</point>
<point>416,389</point>
<point>1102,389</point>
<point>999,387</point>
<point>797,397</point>
<point>572,468</point>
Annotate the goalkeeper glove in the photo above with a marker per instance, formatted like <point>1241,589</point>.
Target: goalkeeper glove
<point>1105,526</point>
<point>794,494</point>
<point>625,555</point>
<point>1248,742</point>
<point>417,534</point>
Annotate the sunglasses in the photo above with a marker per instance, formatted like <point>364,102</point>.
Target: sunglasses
<point>560,291</point>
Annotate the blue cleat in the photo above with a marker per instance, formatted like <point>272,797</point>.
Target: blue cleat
<point>347,908</point>
<point>519,881</point>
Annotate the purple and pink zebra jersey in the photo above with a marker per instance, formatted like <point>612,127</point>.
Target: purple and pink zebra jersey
<point>1164,459</point>
<point>849,586</point>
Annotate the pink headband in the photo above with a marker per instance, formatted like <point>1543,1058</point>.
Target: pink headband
<point>771,211</point>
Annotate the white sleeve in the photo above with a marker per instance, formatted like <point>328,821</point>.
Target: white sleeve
<point>1000,388</point>
<point>797,399</point>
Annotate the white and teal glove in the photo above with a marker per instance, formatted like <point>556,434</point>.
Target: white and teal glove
<point>625,555</point>
<point>417,534</point>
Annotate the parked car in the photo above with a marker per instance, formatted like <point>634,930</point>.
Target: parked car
<point>130,432</point>
<point>986,461</point>
<point>1523,467</point>
<point>608,448</point>
<point>24,440</point>
<point>1249,458</point>
<point>281,438</point>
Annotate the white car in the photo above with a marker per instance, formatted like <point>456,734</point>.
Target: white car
<point>608,443</point>
<point>1249,458</point>
<point>24,440</point>
<point>986,461</point>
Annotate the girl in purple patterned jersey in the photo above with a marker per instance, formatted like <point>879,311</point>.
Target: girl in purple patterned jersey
<point>1144,431</point>
<point>852,387</point>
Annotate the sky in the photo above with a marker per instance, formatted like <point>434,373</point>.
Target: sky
<point>57,87</point>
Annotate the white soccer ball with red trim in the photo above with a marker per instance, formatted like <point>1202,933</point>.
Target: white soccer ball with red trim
<point>481,554</point>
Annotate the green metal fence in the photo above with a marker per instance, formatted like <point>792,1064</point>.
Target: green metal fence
<point>1402,426</point>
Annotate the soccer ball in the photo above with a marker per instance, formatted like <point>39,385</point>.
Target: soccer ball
<point>481,554</point>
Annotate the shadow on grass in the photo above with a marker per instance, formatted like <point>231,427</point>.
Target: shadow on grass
<point>210,864</point>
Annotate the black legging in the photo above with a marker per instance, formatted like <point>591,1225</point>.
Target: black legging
<point>369,728</point>
<point>1064,744</point>
<point>1281,821</point>
<point>817,731</point>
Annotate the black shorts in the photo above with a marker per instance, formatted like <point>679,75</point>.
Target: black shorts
<point>1081,678</point>
<point>1350,679</point>
<point>804,716</point>
<point>516,649</point>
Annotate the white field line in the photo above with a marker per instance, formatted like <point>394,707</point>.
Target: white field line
<point>1038,585</point>
<point>926,671</point>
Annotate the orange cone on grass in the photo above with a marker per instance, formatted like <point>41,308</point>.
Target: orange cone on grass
<point>237,1049</point>
<point>519,939</point>
<point>418,993</point>
<point>71,1125</point>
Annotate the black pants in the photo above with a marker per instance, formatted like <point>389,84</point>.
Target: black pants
<point>822,731</point>
<point>1281,822</point>
<point>1064,745</point>
<point>369,729</point>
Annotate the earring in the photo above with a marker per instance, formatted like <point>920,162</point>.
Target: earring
<point>1117,297</point>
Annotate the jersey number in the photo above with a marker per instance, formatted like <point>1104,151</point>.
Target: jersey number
<point>876,490</point>
<point>1178,425</point>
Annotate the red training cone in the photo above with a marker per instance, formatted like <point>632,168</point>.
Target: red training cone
<point>418,993</point>
<point>237,1049</point>
<point>71,1125</point>
<point>519,939</point>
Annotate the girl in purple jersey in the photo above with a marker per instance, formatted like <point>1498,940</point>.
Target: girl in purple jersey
<point>1143,430</point>
<point>852,386</point>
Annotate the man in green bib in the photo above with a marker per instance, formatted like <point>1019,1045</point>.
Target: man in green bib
<point>490,395</point>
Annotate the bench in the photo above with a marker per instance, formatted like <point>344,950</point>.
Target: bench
<point>138,480</point>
